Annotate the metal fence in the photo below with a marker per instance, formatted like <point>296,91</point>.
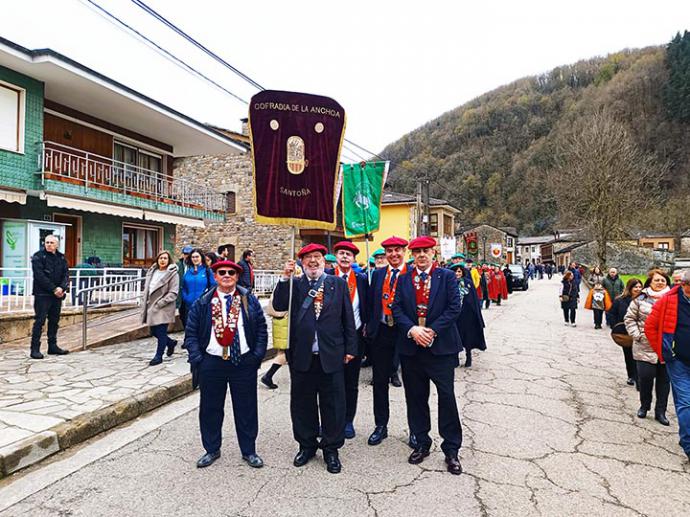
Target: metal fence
<point>265,281</point>
<point>16,286</point>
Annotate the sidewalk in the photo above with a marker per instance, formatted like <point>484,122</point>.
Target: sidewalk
<point>51,404</point>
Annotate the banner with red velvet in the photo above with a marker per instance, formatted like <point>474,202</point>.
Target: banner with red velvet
<point>296,140</point>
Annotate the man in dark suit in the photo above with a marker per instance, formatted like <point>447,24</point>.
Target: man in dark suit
<point>226,340</point>
<point>322,340</point>
<point>246,279</point>
<point>426,307</point>
<point>358,285</point>
<point>382,331</point>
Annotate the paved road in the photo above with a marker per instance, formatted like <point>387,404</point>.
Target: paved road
<point>549,430</point>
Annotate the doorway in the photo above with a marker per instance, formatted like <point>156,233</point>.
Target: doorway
<point>72,237</point>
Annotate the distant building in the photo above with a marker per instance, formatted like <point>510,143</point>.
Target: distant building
<point>529,249</point>
<point>657,241</point>
<point>494,244</point>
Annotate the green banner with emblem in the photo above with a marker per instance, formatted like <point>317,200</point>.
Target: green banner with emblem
<point>362,193</point>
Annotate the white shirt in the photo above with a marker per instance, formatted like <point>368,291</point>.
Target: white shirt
<point>213,347</point>
<point>355,302</point>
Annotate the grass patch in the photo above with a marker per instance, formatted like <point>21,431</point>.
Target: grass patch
<point>625,278</point>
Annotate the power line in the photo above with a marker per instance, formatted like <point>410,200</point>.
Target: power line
<point>222,61</point>
<point>167,54</point>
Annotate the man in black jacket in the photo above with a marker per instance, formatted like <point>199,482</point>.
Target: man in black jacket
<point>322,340</point>
<point>51,281</point>
<point>226,338</point>
<point>246,279</point>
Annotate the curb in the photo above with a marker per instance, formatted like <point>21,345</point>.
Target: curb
<point>31,450</point>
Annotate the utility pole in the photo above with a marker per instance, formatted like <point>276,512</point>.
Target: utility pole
<point>419,204</point>
<point>425,201</point>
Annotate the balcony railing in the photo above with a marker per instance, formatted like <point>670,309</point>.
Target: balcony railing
<point>92,171</point>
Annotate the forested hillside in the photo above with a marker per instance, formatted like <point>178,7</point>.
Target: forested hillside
<point>491,156</point>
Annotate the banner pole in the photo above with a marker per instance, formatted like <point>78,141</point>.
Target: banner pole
<point>366,245</point>
<point>292,276</point>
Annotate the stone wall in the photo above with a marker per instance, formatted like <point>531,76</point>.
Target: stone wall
<point>486,235</point>
<point>232,173</point>
<point>627,258</point>
<point>685,246</point>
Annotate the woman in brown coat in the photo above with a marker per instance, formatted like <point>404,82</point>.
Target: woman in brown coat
<point>160,297</point>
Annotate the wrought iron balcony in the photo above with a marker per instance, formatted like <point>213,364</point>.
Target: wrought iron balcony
<point>91,171</point>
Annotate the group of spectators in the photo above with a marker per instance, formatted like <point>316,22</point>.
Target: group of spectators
<point>650,319</point>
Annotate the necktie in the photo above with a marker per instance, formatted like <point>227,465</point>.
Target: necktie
<point>344,276</point>
<point>235,352</point>
<point>393,277</point>
<point>423,276</point>
<point>312,283</point>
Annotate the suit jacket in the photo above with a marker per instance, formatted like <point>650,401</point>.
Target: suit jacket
<point>335,327</point>
<point>362,292</point>
<point>375,311</point>
<point>442,314</point>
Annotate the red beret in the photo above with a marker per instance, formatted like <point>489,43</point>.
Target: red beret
<point>312,247</point>
<point>422,242</point>
<point>228,264</point>
<point>346,245</point>
<point>394,241</point>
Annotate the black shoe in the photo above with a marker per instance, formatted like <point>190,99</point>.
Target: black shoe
<point>302,458</point>
<point>412,442</point>
<point>268,382</point>
<point>453,465</point>
<point>35,354</point>
<point>468,363</point>
<point>57,351</point>
<point>418,456</point>
<point>184,346</point>
<point>366,363</point>
<point>395,380</point>
<point>253,460</point>
<point>661,418</point>
<point>630,381</point>
<point>642,413</point>
<point>350,431</point>
<point>380,432</point>
<point>155,361</point>
<point>332,463</point>
<point>171,347</point>
<point>207,459</point>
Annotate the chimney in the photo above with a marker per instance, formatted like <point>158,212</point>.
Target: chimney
<point>245,126</point>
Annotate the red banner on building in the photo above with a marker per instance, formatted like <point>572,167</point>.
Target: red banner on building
<point>296,140</point>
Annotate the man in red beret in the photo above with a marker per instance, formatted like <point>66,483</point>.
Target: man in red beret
<point>426,307</point>
<point>382,331</point>
<point>357,286</point>
<point>323,340</point>
<point>226,338</point>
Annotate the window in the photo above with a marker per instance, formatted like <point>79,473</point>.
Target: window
<point>534,249</point>
<point>664,245</point>
<point>230,202</point>
<point>447,226</point>
<point>140,245</point>
<point>509,242</point>
<point>11,118</point>
<point>433,224</point>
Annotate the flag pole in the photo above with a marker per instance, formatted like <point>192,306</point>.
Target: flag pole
<point>292,276</point>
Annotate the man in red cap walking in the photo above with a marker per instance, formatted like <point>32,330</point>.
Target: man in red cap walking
<point>226,340</point>
<point>426,308</point>
<point>382,331</point>
<point>357,287</point>
<point>323,340</point>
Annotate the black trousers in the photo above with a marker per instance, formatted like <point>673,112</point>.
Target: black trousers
<point>418,372</point>
<point>46,307</point>
<point>630,366</point>
<point>382,361</point>
<point>569,313</point>
<point>647,373</point>
<point>215,375</point>
<point>352,381</point>
<point>598,317</point>
<point>184,311</point>
<point>315,393</point>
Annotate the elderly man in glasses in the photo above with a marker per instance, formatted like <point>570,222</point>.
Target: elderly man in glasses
<point>226,339</point>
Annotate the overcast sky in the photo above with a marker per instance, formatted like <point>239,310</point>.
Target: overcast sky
<point>393,65</point>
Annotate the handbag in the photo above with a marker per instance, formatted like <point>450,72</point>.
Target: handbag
<point>621,337</point>
<point>564,298</point>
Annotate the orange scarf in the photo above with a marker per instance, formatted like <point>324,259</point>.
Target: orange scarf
<point>388,291</point>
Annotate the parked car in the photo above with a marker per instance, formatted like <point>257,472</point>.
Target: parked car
<point>519,279</point>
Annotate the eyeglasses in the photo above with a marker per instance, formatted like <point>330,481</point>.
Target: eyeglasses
<point>229,272</point>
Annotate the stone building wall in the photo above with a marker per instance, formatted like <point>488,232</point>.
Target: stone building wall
<point>627,258</point>
<point>232,173</point>
<point>486,235</point>
<point>685,246</point>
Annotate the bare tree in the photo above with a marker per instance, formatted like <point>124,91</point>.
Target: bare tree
<point>603,181</point>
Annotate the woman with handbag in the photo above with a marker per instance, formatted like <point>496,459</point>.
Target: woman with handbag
<point>568,298</point>
<point>650,371</point>
<point>618,332</point>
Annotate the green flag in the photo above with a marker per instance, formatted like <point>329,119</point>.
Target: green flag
<point>362,192</point>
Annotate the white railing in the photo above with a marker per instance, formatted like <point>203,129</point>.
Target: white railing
<point>265,281</point>
<point>63,163</point>
<point>16,286</point>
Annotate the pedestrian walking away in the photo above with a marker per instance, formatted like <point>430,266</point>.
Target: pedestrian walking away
<point>382,332</point>
<point>598,301</point>
<point>158,309</point>
<point>568,298</point>
<point>617,316</point>
<point>470,323</point>
<point>426,310</point>
<point>226,339</point>
<point>668,332</point>
<point>323,340</point>
<point>50,286</point>
<point>651,373</point>
<point>357,286</point>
